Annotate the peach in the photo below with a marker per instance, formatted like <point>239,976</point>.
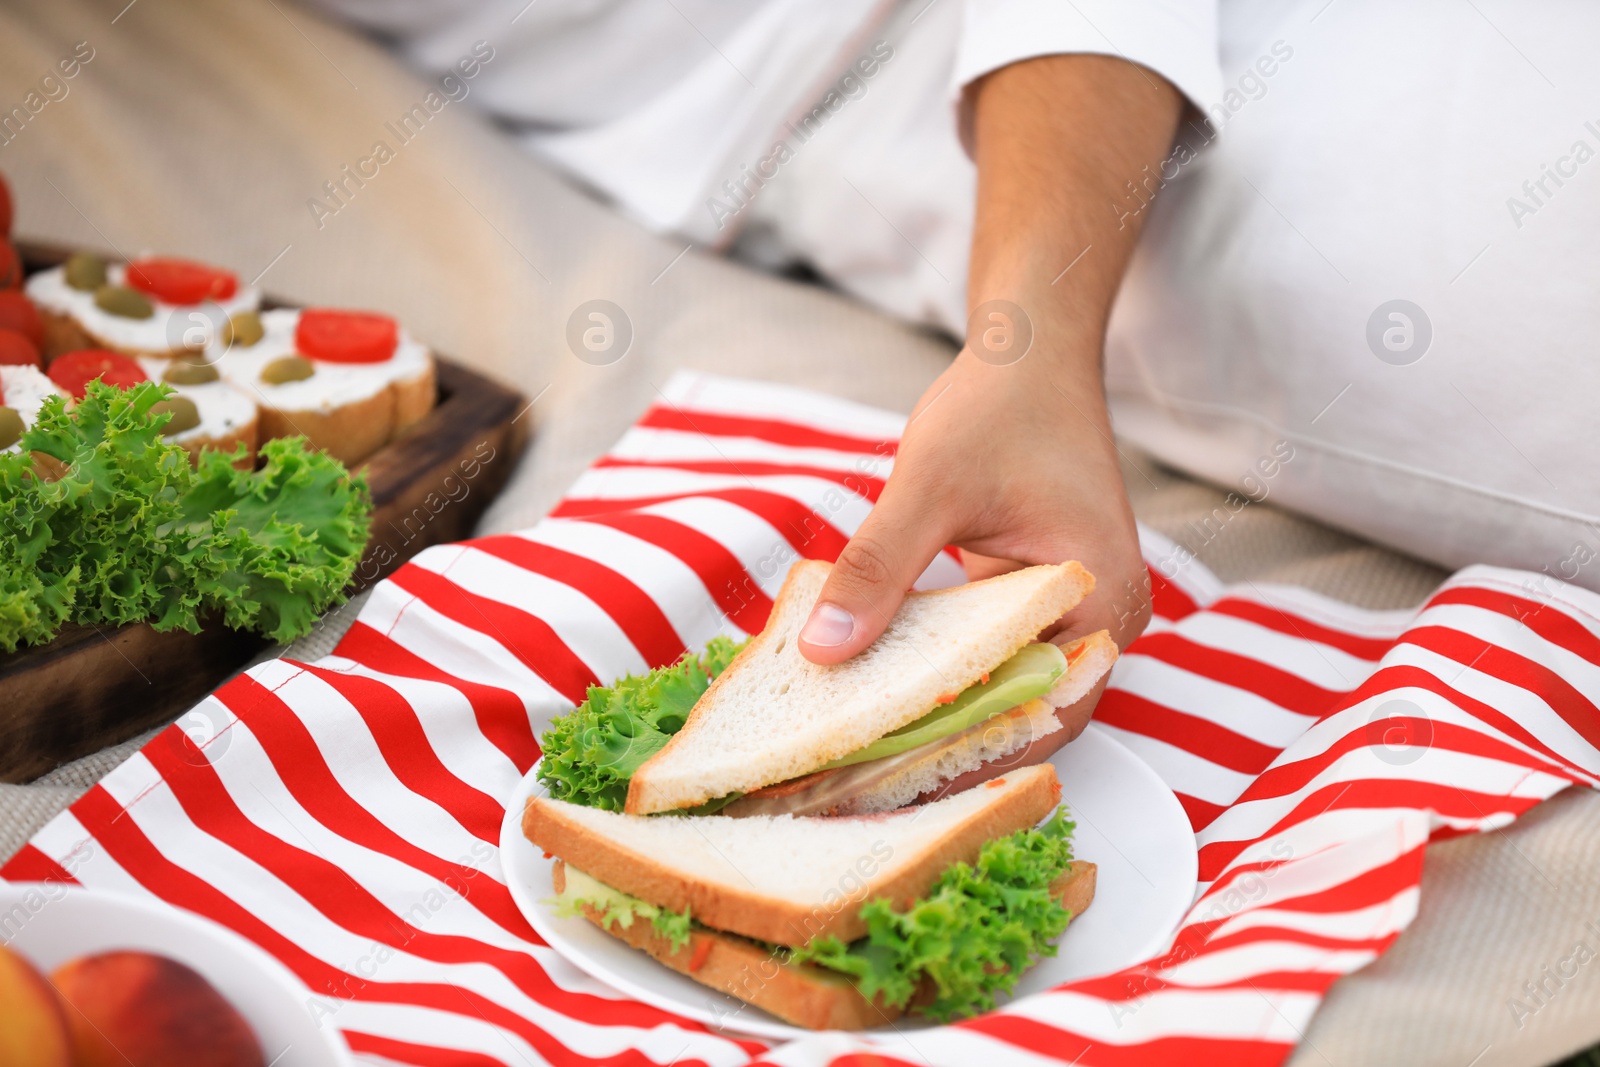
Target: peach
<point>34,1031</point>
<point>135,1009</point>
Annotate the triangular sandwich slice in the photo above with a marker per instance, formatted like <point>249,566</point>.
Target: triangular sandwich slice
<point>806,916</point>
<point>958,679</point>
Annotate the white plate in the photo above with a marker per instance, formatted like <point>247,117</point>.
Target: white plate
<point>51,923</point>
<point>1129,823</point>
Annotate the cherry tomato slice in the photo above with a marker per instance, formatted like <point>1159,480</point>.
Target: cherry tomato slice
<point>5,208</point>
<point>181,281</point>
<point>10,266</point>
<point>16,348</point>
<point>18,313</point>
<point>346,336</point>
<point>73,371</point>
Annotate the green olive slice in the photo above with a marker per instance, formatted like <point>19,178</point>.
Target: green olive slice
<point>10,427</point>
<point>85,271</point>
<point>287,369</point>
<point>185,416</point>
<point>190,372</point>
<point>242,329</point>
<point>120,300</point>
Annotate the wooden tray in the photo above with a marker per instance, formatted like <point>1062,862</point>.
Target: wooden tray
<point>92,687</point>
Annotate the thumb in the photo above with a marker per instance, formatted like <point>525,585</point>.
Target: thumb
<point>893,546</point>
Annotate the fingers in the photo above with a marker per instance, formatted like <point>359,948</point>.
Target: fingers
<point>980,567</point>
<point>893,546</point>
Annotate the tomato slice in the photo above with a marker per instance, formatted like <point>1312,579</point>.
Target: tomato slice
<point>346,336</point>
<point>18,313</point>
<point>702,949</point>
<point>10,266</point>
<point>181,281</point>
<point>16,348</point>
<point>73,371</point>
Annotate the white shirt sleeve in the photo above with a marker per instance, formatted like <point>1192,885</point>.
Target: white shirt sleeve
<point>1175,38</point>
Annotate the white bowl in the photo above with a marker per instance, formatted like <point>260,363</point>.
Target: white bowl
<point>51,923</point>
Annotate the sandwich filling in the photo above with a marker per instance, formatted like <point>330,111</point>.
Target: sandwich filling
<point>948,955</point>
<point>592,752</point>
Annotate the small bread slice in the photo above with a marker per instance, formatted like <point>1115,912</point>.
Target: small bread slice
<point>63,333</point>
<point>348,410</point>
<point>773,715</point>
<point>72,320</point>
<point>228,417</point>
<point>801,994</point>
<point>784,878</point>
<point>352,432</point>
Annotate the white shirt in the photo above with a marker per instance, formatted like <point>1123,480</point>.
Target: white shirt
<point>1375,253</point>
<point>814,130</point>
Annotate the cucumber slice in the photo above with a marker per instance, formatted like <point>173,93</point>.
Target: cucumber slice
<point>1026,676</point>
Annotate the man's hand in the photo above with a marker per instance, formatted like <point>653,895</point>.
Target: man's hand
<point>1012,461</point>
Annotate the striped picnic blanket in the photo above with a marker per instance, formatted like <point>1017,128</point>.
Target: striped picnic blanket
<point>343,814</point>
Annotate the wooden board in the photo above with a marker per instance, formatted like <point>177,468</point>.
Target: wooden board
<point>91,687</point>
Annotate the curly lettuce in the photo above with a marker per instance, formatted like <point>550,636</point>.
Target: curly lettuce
<point>271,548</point>
<point>106,522</point>
<point>972,936</point>
<point>591,752</point>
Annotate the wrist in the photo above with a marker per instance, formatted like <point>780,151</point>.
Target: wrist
<point>1034,335</point>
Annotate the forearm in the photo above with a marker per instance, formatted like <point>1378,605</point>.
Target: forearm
<point>1005,468</point>
<point>1056,139</point>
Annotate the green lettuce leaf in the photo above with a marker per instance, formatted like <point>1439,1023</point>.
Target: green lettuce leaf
<point>125,529</point>
<point>620,909</point>
<point>103,516</point>
<point>273,548</point>
<point>973,934</point>
<point>592,751</point>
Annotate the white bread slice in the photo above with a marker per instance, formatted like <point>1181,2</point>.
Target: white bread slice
<point>783,878</point>
<point>895,781</point>
<point>801,994</point>
<point>774,715</point>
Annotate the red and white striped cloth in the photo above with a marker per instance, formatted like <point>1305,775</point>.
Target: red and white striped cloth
<point>343,814</point>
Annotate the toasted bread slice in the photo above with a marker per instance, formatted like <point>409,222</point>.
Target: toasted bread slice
<point>348,410</point>
<point>802,994</point>
<point>73,320</point>
<point>228,417</point>
<point>774,715</point>
<point>782,878</point>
